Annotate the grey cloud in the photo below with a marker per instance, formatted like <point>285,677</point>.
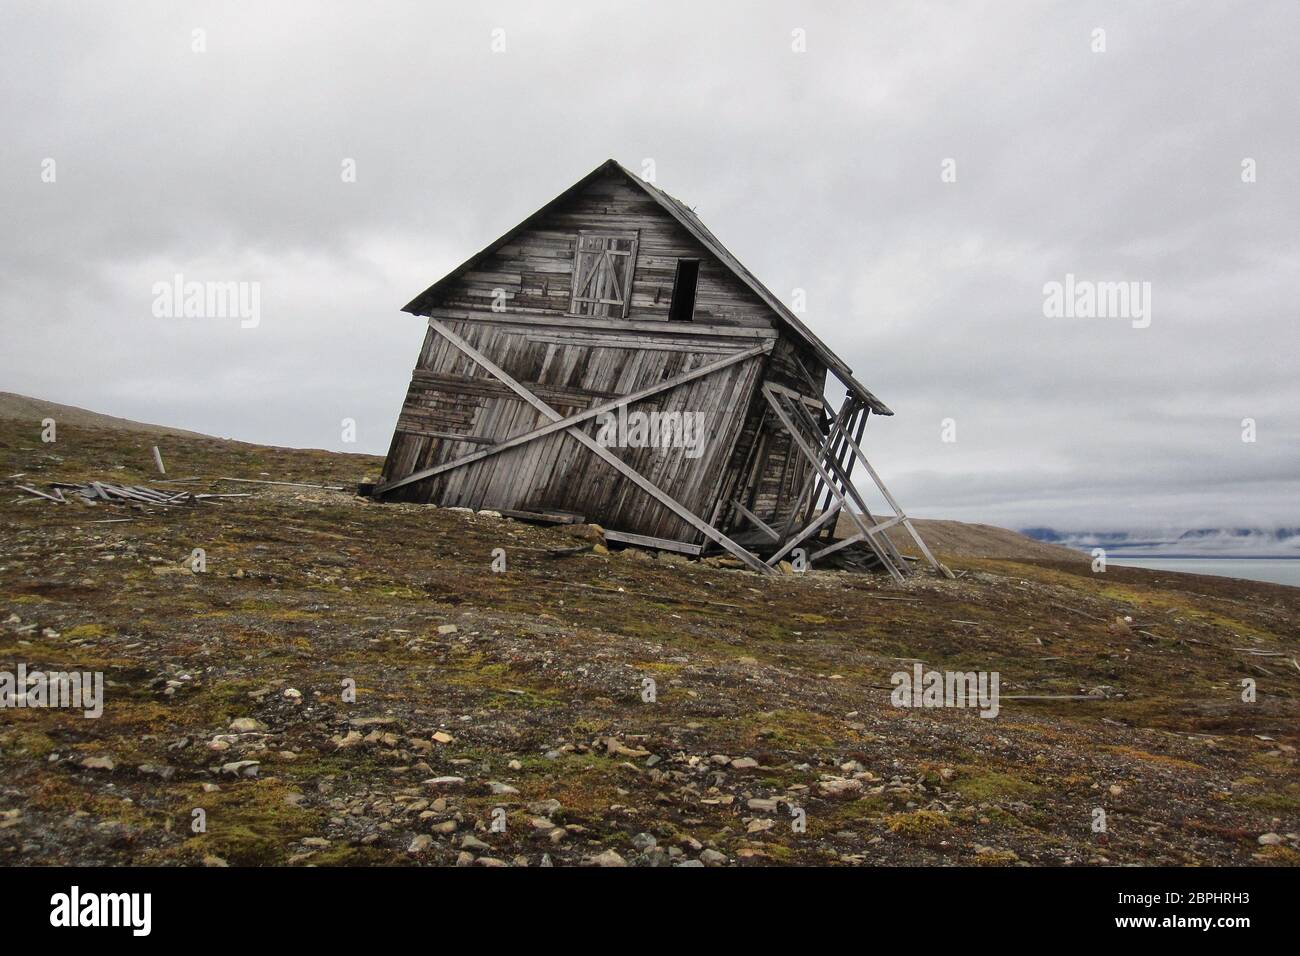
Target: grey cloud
<point>820,170</point>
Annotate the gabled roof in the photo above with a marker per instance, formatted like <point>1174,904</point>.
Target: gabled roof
<point>684,215</point>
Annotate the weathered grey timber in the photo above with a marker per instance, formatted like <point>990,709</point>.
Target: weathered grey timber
<point>609,358</point>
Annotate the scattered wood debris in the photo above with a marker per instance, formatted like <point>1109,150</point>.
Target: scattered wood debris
<point>96,491</point>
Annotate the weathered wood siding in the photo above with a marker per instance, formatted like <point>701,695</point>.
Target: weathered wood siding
<point>453,407</point>
<point>767,473</point>
<point>534,266</point>
<point>449,395</point>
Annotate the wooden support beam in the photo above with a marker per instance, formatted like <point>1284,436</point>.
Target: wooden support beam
<point>758,522</point>
<point>888,553</point>
<point>600,451</point>
<point>847,485</point>
<point>550,320</point>
<point>832,436</point>
<point>790,545</point>
<point>776,402</point>
<point>898,510</point>
<point>562,424</point>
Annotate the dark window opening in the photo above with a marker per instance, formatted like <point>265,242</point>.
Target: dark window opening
<point>682,308</point>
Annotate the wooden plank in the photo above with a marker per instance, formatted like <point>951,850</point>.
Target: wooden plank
<point>790,545</point>
<point>547,517</point>
<point>756,520</point>
<point>561,321</point>
<point>646,541</point>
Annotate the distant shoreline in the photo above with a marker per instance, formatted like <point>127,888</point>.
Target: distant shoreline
<point>1120,553</point>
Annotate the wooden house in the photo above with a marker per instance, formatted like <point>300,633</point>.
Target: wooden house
<point>608,360</point>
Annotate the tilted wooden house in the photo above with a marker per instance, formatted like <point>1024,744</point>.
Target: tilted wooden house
<point>609,360</point>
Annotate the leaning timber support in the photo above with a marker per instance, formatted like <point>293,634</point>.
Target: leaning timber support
<point>776,400</point>
<point>840,449</point>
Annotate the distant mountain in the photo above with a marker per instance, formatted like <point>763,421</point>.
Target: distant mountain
<point>1197,542</point>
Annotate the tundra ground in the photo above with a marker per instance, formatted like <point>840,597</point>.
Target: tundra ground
<point>502,718</point>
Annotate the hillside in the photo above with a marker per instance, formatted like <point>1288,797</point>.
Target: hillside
<point>962,539</point>
<point>21,408</point>
<point>523,698</point>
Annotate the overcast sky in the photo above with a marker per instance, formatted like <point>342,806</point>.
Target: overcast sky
<point>822,170</point>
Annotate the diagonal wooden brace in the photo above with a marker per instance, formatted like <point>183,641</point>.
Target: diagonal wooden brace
<point>774,400</point>
<point>600,451</point>
<point>551,427</point>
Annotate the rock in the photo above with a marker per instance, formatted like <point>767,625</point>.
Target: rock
<point>490,861</point>
<point>613,746</point>
<point>363,722</point>
<point>241,768</point>
<point>443,737</point>
<point>545,808</point>
<point>760,825</point>
<point>838,786</point>
<point>213,860</point>
<point>465,859</point>
<point>351,739</point>
<point>1270,839</point>
<point>643,841</point>
<point>98,763</point>
<point>470,842</point>
<point>515,765</point>
<point>762,806</point>
<point>292,694</point>
<point>444,783</point>
<point>712,857</point>
<point>744,763</point>
<point>247,725</point>
<point>586,532</point>
<point>694,863</point>
<point>502,789</point>
<point>1115,789</point>
<point>486,513</point>
<point>420,843</point>
<point>448,629</point>
<point>445,827</point>
<point>608,858</point>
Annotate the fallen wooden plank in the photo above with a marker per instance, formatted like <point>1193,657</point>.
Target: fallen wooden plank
<point>35,492</point>
<point>546,517</point>
<point>645,541</point>
<point>291,484</point>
